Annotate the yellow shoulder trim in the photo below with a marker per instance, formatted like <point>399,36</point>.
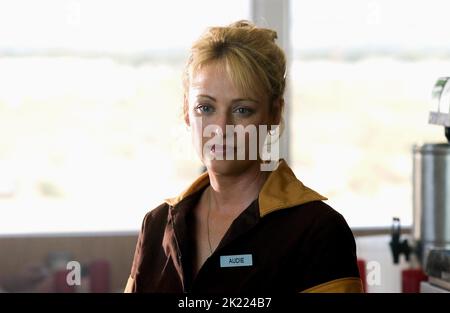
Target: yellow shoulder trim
<point>341,285</point>
<point>129,286</point>
<point>198,184</point>
<point>281,190</point>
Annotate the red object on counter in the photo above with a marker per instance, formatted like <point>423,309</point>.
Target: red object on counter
<point>99,276</point>
<point>411,279</point>
<point>362,273</point>
<point>60,282</point>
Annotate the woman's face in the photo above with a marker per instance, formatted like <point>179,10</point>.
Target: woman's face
<point>215,107</point>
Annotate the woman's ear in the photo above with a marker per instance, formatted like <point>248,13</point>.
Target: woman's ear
<point>186,111</point>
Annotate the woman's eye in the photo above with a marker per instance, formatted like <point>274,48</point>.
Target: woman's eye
<point>203,108</point>
<point>243,110</point>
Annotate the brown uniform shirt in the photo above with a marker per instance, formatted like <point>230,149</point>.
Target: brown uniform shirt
<point>287,240</point>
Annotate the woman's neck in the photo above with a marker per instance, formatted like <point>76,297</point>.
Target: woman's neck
<point>232,194</point>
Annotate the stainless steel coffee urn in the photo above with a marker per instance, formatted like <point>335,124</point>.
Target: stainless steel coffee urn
<point>431,202</point>
<point>431,192</point>
<point>431,180</point>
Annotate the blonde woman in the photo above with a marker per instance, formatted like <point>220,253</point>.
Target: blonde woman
<point>240,227</point>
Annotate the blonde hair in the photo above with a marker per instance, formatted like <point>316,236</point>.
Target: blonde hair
<point>250,55</point>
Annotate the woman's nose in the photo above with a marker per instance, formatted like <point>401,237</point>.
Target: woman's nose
<point>221,122</point>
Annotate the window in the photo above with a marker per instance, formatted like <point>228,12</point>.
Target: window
<point>361,76</point>
<point>91,134</point>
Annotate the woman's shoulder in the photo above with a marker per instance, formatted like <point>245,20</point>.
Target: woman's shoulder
<point>317,216</point>
<point>156,215</point>
<point>318,210</point>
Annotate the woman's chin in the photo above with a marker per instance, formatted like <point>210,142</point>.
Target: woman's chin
<point>228,167</point>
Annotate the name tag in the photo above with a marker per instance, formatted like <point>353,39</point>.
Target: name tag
<point>236,260</point>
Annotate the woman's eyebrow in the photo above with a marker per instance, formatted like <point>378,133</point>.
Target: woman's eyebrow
<point>232,101</point>
<point>245,99</point>
<point>206,96</point>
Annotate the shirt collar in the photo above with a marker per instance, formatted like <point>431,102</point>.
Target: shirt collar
<point>281,190</point>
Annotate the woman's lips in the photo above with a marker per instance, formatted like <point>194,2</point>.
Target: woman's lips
<point>220,149</point>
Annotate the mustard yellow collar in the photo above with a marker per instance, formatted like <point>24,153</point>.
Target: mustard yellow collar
<point>281,190</point>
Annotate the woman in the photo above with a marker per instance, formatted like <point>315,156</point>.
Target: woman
<point>239,227</point>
